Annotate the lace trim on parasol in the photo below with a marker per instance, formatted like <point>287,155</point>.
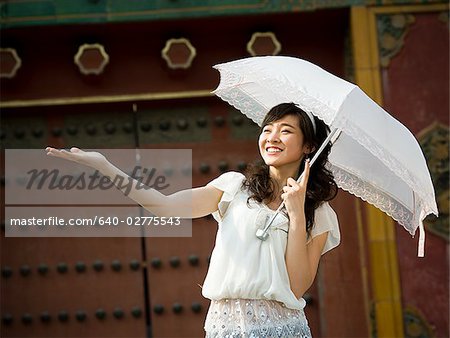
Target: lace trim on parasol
<point>393,164</point>
<point>230,91</point>
<point>231,79</point>
<point>372,195</point>
<point>250,107</point>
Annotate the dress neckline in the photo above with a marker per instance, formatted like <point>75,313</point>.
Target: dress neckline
<point>267,207</point>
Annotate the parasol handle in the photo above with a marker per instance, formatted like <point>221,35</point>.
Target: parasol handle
<point>262,234</point>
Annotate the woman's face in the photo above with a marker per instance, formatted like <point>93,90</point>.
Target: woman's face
<point>281,142</point>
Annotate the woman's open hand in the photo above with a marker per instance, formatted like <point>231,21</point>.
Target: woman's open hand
<point>295,192</point>
<point>89,158</point>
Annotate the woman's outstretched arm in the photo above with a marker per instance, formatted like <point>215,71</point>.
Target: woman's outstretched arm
<point>188,203</point>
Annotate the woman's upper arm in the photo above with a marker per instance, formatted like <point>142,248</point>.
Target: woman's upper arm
<point>203,200</point>
<point>315,247</point>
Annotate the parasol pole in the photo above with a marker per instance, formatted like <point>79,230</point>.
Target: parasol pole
<point>262,234</point>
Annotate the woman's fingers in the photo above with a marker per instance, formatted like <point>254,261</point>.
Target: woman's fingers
<point>90,158</point>
<point>294,192</point>
<point>62,153</point>
<point>52,151</point>
<point>305,175</point>
<point>293,184</point>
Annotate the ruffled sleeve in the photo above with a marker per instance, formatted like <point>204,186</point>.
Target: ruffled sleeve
<point>325,220</point>
<point>229,183</point>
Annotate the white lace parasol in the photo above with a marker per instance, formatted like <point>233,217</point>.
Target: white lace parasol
<point>375,157</point>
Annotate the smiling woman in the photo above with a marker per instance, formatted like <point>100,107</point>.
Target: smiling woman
<point>256,287</point>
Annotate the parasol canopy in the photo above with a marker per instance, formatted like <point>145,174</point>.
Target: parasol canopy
<point>375,157</point>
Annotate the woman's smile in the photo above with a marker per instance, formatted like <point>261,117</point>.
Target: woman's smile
<point>272,150</point>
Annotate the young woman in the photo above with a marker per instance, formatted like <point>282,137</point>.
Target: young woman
<point>256,286</point>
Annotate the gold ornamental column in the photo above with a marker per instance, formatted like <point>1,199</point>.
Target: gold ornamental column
<point>385,280</point>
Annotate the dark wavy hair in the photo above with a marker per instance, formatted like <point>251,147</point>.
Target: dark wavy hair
<point>321,185</point>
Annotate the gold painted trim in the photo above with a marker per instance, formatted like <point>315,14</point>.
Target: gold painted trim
<point>166,49</point>
<point>106,99</point>
<point>256,35</point>
<point>363,264</point>
<point>79,54</point>
<point>409,9</point>
<point>16,67</point>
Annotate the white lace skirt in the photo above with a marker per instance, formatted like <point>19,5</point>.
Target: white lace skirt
<point>254,318</point>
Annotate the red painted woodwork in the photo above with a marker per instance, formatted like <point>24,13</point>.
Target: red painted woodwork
<point>416,91</point>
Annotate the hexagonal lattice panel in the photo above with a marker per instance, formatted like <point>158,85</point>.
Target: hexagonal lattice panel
<point>9,62</point>
<point>263,43</point>
<point>178,53</point>
<point>91,59</point>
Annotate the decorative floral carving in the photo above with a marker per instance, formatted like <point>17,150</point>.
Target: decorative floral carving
<point>434,141</point>
<point>392,30</point>
<point>415,324</point>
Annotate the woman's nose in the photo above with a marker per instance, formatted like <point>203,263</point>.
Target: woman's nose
<point>273,137</point>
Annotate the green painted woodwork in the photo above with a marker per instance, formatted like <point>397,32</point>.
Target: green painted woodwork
<point>23,133</point>
<point>55,12</point>
<point>111,130</point>
<point>241,127</point>
<point>99,130</point>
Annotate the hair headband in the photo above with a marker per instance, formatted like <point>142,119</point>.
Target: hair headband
<point>311,117</point>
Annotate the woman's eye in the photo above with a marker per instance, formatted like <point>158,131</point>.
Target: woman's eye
<point>285,131</point>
